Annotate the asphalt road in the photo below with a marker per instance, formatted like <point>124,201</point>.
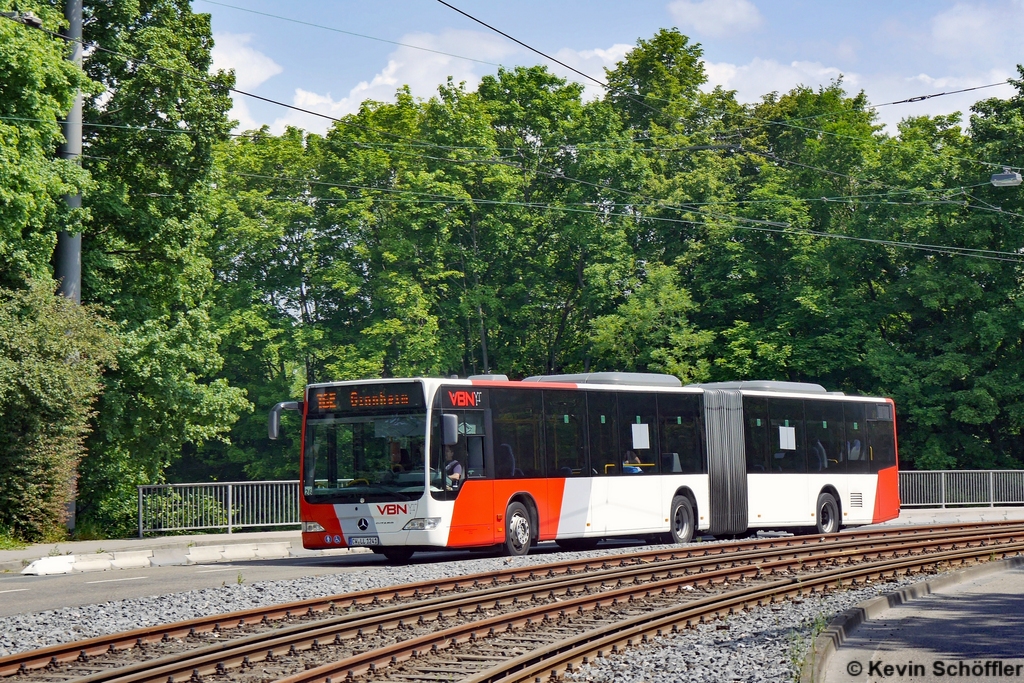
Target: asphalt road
<point>20,594</point>
<point>25,594</point>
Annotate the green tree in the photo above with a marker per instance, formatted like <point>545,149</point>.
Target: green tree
<point>650,332</point>
<point>145,245</point>
<point>36,92</point>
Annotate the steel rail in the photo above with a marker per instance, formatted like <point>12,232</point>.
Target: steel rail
<point>573,650</point>
<point>375,660</point>
<point>563,657</point>
<point>695,554</point>
<point>221,656</point>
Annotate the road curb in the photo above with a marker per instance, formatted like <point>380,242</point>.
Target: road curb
<point>844,625</point>
<point>158,557</point>
<point>167,556</point>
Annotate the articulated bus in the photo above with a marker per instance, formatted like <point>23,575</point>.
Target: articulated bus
<point>400,465</point>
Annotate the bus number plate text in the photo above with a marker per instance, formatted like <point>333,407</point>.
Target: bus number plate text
<point>364,540</point>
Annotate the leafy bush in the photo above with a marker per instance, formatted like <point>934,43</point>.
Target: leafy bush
<point>52,353</point>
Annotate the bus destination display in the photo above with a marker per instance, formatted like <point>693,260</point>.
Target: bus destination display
<point>366,397</point>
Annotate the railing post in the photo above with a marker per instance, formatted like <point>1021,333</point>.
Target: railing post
<point>943,489</point>
<point>230,491</point>
<point>991,489</point>
<point>140,510</point>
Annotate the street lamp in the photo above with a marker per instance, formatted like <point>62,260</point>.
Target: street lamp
<point>1007,178</point>
<point>26,18</point>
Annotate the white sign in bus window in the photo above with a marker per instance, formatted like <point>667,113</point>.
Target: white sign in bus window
<point>787,438</point>
<point>641,436</point>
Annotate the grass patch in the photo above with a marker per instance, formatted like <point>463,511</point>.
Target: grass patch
<point>9,542</point>
<point>800,646</point>
<point>87,530</point>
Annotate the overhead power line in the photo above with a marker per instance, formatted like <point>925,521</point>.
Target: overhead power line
<point>777,228</point>
<point>552,173</point>
<point>521,43</point>
<point>349,33</point>
<point>921,98</point>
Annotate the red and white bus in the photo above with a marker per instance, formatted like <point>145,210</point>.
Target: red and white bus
<point>400,465</point>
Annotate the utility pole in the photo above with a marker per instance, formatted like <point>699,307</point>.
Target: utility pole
<point>68,256</point>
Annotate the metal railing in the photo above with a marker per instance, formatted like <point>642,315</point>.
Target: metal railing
<point>246,504</point>
<point>949,488</point>
<point>230,505</point>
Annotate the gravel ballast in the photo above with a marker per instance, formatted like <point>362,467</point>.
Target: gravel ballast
<point>764,645</point>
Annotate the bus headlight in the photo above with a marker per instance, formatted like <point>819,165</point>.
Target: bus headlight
<point>422,524</point>
<point>311,527</point>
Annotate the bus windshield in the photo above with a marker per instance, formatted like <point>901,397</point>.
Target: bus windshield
<point>364,458</point>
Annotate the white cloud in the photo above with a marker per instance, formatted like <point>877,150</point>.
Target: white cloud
<point>762,76</point>
<point>252,67</point>
<point>716,18</point>
<point>422,71</point>
<point>976,30</point>
<point>591,62</point>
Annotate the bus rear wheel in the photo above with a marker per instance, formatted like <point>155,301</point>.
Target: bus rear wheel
<point>518,530</point>
<point>681,518</point>
<point>827,514</point>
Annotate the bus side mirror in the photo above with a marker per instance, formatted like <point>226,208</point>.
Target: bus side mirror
<point>451,429</point>
<point>274,420</point>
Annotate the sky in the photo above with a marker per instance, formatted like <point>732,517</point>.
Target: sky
<point>307,55</point>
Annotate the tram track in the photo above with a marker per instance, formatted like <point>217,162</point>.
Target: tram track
<point>425,623</point>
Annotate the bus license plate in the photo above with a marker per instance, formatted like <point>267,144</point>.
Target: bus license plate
<point>364,540</point>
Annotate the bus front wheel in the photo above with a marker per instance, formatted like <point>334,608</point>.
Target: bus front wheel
<point>682,520</point>
<point>827,514</point>
<point>518,530</point>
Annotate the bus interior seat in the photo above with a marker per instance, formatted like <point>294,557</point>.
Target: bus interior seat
<point>820,456</point>
<point>854,449</point>
<point>670,463</point>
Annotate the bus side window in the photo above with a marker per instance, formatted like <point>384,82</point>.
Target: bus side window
<point>517,423</point>
<point>637,438</point>
<point>881,436</point>
<point>825,442</point>
<point>564,438</point>
<point>755,414</point>
<point>856,444</point>
<point>603,423</point>
<point>679,426</point>
<point>786,419</point>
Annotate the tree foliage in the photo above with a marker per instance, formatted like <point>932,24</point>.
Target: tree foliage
<point>513,227</point>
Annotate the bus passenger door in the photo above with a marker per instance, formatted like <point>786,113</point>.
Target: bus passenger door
<point>603,440</point>
<point>634,496</point>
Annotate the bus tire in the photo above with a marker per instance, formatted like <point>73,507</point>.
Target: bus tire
<point>518,529</point>
<point>397,555</point>
<point>681,519</point>
<point>827,514</point>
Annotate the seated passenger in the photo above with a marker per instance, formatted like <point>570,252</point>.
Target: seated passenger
<point>631,463</point>
<point>452,467</point>
<point>396,457</point>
